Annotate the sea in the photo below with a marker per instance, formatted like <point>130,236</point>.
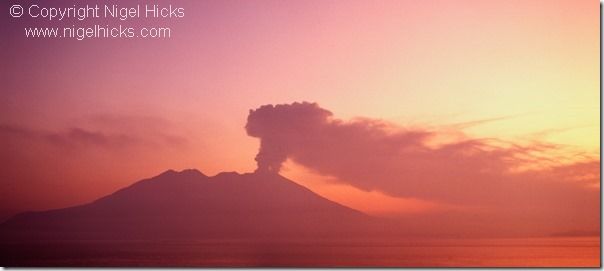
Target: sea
<point>484,252</point>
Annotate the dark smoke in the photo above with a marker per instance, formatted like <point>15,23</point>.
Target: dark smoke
<point>277,125</point>
<point>511,181</point>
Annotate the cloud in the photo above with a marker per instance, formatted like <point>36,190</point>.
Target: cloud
<point>82,160</point>
<point>79,136</point>
<point>74,137</point>
<point>110,134</point>
<point>279,129</point>
<point>510,179</point>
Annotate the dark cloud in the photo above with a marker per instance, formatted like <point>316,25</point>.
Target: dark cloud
<point>370,154</point>
<point>277,126</point>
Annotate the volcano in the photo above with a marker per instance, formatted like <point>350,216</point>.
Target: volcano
<point>190,205</point>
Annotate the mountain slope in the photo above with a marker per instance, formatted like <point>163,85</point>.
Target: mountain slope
<point>190,205</point>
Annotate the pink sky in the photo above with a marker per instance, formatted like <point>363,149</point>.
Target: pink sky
<point>80,119</point>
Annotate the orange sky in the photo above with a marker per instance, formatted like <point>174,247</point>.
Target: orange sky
<point>80,119</point>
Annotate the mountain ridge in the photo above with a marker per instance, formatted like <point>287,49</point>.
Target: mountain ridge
<point>190,204</point>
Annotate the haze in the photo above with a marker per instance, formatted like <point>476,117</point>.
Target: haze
<point>428,80</point>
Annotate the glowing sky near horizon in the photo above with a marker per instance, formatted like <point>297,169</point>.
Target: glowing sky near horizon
<point>182,102</point>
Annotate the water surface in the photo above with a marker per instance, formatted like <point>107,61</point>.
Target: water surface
<point>510,252</point>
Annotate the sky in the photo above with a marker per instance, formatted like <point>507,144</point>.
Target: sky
<point>81,119</point>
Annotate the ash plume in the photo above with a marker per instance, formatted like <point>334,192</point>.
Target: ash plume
<point>374,155</point>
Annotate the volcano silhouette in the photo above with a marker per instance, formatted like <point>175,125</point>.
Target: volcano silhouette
<point>190,205</point>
